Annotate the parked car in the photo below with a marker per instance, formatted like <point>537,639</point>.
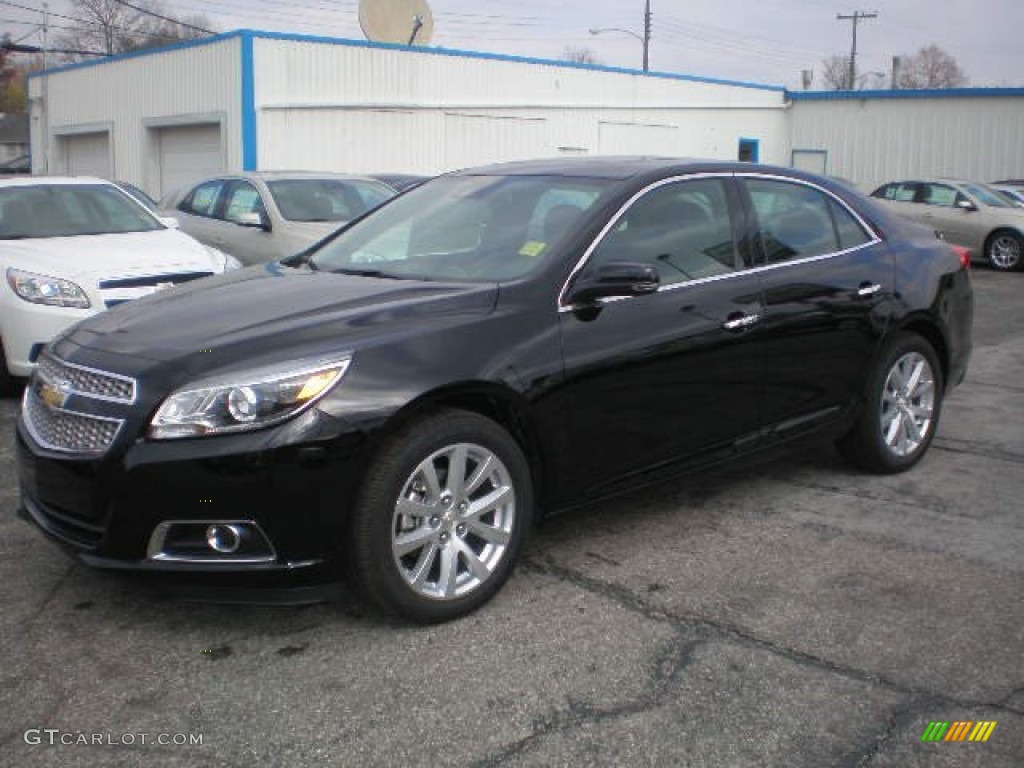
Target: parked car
<point>399,402</point>
<point>20,164</point>
<point>399,181</point>
<point>71,247</point>
<point>1014,195</point>
<point>966,213</point>
<point>262,216</point>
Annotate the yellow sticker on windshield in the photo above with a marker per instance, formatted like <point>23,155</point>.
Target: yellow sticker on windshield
<point>532,248</point>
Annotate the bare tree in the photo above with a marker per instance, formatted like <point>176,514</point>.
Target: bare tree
<point>931,67</point>
<point>580,55</point>
<point>113,27</point>
<point>835,71</point>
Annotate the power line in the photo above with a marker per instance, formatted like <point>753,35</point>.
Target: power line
<point>165,18</point>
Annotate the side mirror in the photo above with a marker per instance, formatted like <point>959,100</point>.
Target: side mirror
<point>622,278</point>
<point>966,205</point>
<point>252,219</point>
<point>168,221</point>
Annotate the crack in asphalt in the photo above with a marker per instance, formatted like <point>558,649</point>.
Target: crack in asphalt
<point>976,448</point>
<point>665,675</point>
<point>706,630</point>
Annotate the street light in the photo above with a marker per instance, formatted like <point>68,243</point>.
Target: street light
<point>645,38</point>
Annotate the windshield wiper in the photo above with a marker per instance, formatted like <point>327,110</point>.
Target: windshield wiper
<point>370,273</point>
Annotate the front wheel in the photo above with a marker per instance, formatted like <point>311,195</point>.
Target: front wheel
<point>441,517</point>
<point>903,399</point>
<point>1005,251</point>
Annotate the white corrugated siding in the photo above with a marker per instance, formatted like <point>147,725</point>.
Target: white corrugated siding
<point>122,95</point>
<point>872,141</point>
<point>361,109</point>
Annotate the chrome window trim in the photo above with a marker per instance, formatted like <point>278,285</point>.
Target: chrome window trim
<point>91,395</point>
<point>27,421</point>
<point>874,237</point>
<point>154,549</point>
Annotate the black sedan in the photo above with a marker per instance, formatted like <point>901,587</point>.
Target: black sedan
<point>399,403</point>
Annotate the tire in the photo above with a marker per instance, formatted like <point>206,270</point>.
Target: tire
<point>1004,250</point>
<point>902,404</point>
<point>426,545</point>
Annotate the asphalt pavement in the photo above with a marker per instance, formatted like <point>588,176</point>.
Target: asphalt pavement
<point>790,613</point>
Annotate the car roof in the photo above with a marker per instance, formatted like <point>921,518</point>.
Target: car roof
<point>272,175</point>
<point>620,167</point>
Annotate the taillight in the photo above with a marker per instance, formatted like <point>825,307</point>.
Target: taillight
<point>963,254</point>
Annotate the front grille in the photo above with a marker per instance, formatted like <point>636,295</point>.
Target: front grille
<point>86,381</point>
<point>63,430</point>
<point>151,281</point>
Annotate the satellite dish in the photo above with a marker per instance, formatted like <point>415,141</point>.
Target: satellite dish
<point>406,22</point>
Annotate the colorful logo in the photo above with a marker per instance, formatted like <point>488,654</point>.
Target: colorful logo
<point>958,730</point>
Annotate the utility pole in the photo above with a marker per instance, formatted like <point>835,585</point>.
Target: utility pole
<point>855,17</point>
<point>45,103</point>
<point>647,32</point>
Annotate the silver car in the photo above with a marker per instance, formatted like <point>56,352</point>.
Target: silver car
<point>262,216</point>
<point>967,214</point>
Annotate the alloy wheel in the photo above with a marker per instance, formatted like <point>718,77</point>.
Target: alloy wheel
<point>453,521</point>
<point>1004,252</point>
<point>908,403</point>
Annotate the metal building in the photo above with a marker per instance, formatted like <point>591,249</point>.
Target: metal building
<point>872,137</point>
<point>253,100</point>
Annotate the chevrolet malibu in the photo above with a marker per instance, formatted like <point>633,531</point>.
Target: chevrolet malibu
<point>399,404</point>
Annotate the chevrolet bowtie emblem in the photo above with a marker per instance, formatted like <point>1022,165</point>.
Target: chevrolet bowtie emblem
<point>55,394</point>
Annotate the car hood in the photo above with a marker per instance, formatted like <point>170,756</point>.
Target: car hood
<point>90,257</point>
<point>271,312</point>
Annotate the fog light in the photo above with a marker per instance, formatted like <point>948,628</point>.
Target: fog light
<point>224,538</point>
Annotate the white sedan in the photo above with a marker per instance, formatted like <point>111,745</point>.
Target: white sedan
<point>71,247</point>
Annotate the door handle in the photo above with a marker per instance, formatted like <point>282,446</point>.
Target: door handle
<point>868,289</point>
<point>740,322</point>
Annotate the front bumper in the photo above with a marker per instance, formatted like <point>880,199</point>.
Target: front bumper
<point>108,511</point>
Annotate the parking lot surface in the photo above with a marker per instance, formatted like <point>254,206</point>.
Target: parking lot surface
<point>788,613</point>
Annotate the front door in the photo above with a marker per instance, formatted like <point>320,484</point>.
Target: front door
<point>654,379</point>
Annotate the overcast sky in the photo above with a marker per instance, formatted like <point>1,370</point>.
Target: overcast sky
<point>765,41</point>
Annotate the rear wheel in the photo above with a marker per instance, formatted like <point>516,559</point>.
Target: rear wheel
<point>1005,250</point>
<point>441,517</point>
<point>903,400</point>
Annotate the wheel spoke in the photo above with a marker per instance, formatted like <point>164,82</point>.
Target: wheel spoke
<point>413,508</point>
<point>482,470</point>
<point>893,428</point>
<point>418,575</point>
<point>449,571</point>
<point>457,471</point>
<point>485,504</point>
<point>429,472</point>
<point>413,540</point>
<point>915,378</point>
<point>488,533</point>
<point>476,566</point>
<point>922,411</point>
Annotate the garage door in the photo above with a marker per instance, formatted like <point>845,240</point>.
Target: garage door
<point>188,153</point>
<point>88,154</point>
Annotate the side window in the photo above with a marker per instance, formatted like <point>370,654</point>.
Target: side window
<point>793,221</point>
<point>243,198</point>
<point>851,233</point>
<point>683,230</point>
<point>905,192</point>
<point>886,191</point>
<point>938,194</point>
<point>202,201</point>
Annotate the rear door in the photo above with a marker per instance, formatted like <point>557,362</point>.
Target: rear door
<point>828,285</point>
<point>672,375</point>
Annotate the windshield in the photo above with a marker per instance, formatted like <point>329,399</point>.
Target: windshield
<point>67,210</point>
<point>986,196</point>
<point>473,228</point>
<point>326,199</point>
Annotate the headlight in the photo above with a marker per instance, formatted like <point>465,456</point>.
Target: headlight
<point>246,400</point>
<point>41,289</point>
